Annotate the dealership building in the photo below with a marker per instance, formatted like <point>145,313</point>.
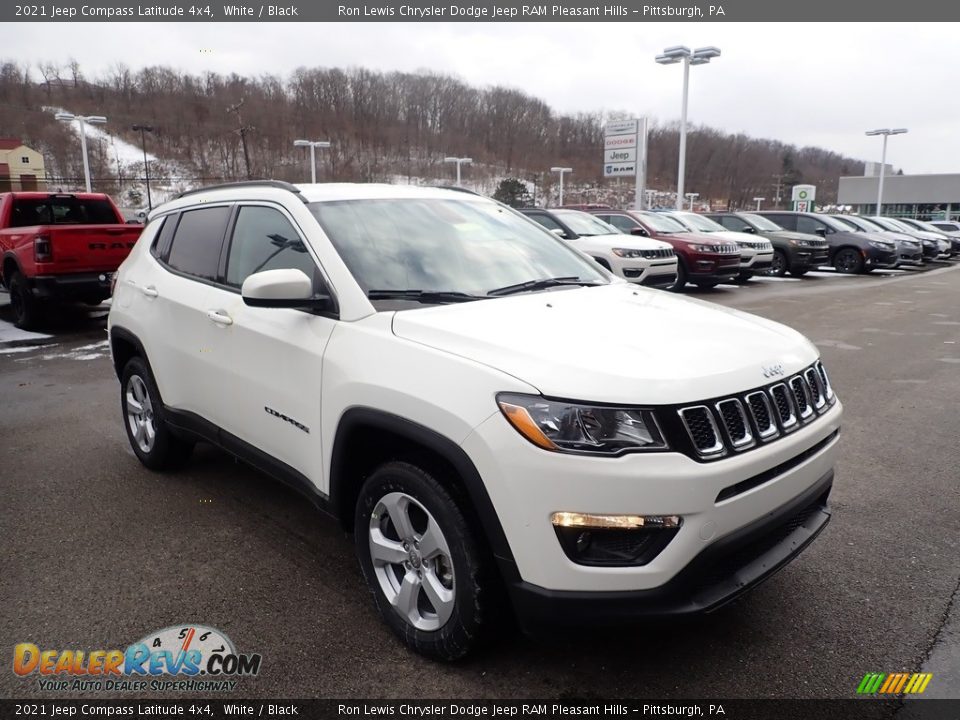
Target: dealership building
<point>926,197</point>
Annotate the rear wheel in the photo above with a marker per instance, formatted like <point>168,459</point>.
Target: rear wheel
<point>153,442</point>
<point>26,308</point>
<point>848,261</point>
<point>799,273</point>
<point>422,563</point>
<point>780,264</point>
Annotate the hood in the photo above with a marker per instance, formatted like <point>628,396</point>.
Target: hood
<point>620,240</point>
<point>791,235</point>
<point>616,343</point>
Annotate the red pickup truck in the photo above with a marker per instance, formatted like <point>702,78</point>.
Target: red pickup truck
<point>60,246</point>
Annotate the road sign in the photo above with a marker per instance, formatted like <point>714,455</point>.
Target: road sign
<point>617,142</point>
<point>621,127</point>
<point>627,155</point>
<point>802,205</point>
<point>619,169</point>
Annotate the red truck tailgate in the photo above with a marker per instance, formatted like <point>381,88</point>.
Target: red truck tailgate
<point>89,248</point>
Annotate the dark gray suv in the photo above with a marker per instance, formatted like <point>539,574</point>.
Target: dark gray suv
<point>850,251</point>
<point>793,252</point>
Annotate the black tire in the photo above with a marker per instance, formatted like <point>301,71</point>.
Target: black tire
<point>744,276</point>
<point>27,310</point>
<point>708,284</point>
<point>680,283</point>
<point>780,264</point>
<point>167,450</point>
<point>465,566</point>
<point>848,261</point>
<point>799,273</point>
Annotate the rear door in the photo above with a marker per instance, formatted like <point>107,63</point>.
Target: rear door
<point>171,297</point>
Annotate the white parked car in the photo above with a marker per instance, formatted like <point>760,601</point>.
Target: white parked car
<point>637,259</point>
<point>756,253</point>
<point>484,409</point>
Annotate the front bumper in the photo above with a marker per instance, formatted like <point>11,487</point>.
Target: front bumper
<point>718,575</point>
<point>527,485</point>
<point>808,259</point>
<point>658,273</point>
<point>882,259</point>
<point>758,261</point>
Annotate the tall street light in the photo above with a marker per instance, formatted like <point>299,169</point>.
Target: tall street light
<point>562,171</point>
<point>313,145</point>
<point>758,201</point>
<point>691,197</point>
<point>83,120</point>
<point>146,168</point>
<point>700,56</point>
<point>459,161</point>
<point>886,132</point>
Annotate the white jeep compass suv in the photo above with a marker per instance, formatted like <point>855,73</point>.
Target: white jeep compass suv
<point>492,415</point>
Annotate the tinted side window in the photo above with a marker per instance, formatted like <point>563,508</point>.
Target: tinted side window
<point>621,222</point>
<point>161,243</point>
<point>263,239</point>
<point>787,222</point>
<point>732,223</point>
<point>548,222</point>
<point>197,242</point>
<point>808,225</point>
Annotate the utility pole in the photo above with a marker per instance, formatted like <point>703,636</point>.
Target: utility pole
<point>779,180</point>
<point>242,130</point>
<point>146,167</point>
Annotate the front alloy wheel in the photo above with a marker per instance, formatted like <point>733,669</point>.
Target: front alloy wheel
<point>848,261</point>
<point>411,561</point>
<point>779,266</point>
<point>423,560</point>
<point>140,418</point>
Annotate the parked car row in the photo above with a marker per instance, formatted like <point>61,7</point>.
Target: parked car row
<point>672,248</point>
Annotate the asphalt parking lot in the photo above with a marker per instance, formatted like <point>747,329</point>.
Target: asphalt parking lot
<point>99,551</point>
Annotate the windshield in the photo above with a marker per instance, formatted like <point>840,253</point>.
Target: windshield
<point>897,225</point>
<point>833,222</point>
<point>761,223</point>
<point>862,224</point>
<point>662,223</point>
<point>700,223</point>
<point>445,245</point>
<point>585,224</point>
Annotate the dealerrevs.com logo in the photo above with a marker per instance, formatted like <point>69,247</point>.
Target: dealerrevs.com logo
<point>179,658</point>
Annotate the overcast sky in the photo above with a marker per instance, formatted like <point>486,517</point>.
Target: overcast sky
<point>810,84</point>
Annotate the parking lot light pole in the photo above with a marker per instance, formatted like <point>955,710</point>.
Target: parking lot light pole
<point>313,145</point>
<point>691,197</point>
<point>670,56</point>
<point>459,161</point>
<point>82,120</point>
<point>758,201</point>
<point>886,132</point>
<point>562,171</point>
<point>146,168</point>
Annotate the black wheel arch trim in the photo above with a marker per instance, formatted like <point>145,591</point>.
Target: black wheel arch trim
<point>446,448</point>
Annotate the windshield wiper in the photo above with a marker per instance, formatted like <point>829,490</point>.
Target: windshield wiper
<point>541,284</point>
<point>423,296</point>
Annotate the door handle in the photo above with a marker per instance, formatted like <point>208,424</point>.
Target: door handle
<point>219,317</point>
<point>150,291</point>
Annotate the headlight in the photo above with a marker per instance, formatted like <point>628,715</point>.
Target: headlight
<point>713,249</point>
<point>564,426</point>
<point>880,245</point>
<point>799,243</point>
<point>625,253</point>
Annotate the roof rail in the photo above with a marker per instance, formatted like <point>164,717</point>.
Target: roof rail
<point>280,184</point>
<point>458,189</point>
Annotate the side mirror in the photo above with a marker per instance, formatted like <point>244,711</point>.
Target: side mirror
<point>821,231</point>
<point>642,232</point>
<point>749,230</point>
<point>559,233</point>
<point>286,288</point>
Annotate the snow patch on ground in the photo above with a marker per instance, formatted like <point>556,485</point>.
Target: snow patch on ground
<point>11,334</point>
<point>23,349</point>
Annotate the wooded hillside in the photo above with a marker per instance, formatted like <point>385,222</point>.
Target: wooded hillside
<point>383,126</point>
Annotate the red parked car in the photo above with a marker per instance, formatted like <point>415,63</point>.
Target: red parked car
<point>701,260</point>
<point>60,247</point>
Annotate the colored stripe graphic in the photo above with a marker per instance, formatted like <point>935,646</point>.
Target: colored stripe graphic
<point>894,683</point>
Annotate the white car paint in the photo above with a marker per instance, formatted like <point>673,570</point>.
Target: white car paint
<point>756,253</point>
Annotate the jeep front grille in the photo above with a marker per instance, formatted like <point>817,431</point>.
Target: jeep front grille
<point>740,422</point>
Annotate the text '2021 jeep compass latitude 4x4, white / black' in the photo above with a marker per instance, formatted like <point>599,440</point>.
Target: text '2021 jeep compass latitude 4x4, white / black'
<point>489,413</point>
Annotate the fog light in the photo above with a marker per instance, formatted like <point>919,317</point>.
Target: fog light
<point>614,540</point>
<point>621,522</point>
